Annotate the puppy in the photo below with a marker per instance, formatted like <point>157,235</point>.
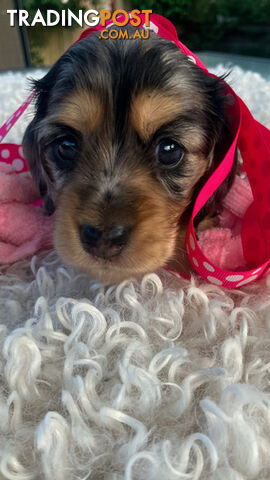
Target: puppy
<point>125,134</point>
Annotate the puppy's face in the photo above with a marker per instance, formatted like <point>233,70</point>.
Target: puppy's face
<point>124,132</point>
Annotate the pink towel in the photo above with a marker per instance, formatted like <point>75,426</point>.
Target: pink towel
<point>24,229</point>
<point>223,244</point>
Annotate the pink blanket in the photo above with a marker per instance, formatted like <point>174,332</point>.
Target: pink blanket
<point>24,230</point>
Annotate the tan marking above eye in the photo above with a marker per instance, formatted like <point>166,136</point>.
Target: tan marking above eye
<point>150,110</point>
<point>81,110</point>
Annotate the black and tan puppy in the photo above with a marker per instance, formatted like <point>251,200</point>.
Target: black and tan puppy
<point>125,134</point>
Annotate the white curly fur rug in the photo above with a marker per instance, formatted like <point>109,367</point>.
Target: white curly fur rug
<point>156,379</point>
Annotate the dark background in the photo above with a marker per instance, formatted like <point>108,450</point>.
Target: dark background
<point>236,26</point>
<point>228,26</point>
<point>231,26</point>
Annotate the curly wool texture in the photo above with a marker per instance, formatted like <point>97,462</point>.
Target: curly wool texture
<point>158,378</point>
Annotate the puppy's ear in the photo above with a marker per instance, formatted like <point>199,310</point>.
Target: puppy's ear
<point>221,139</point>
<point>33,153</point>
<point>37,165</point>
<point>222,142</point>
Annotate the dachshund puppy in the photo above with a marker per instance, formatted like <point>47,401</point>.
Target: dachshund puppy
<point>125,134</point>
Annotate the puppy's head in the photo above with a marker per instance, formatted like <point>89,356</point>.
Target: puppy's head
<point>124,133</point>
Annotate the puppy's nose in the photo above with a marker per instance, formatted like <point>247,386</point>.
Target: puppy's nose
<point>105,243</point>
<point>90,234</point>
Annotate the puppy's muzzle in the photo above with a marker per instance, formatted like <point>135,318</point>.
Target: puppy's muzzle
<point>105,243</point>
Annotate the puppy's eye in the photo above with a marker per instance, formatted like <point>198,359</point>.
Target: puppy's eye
<point>169,153</point>
<point>67,150</point>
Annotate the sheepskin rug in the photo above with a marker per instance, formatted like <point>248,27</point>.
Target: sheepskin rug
<point>155,379</point>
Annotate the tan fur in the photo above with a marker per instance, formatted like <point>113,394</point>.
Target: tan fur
<point>153,239</point>
<point>150,110</point>
<point>156,236</point>
<point>82,111</point>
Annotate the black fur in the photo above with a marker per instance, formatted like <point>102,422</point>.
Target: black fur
<point>114,70</point>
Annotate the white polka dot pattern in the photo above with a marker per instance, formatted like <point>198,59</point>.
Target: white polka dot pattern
<point>214,280</point>
<point>17,164</point>
<point>247,280</point>
<point>208,267</point>
<point>257,271</point>
<point>10,119</point>
<point>234,278</point>
<point>11,155</point>
<point>5,153</point>
<point>224,278</point>
<point>195,261</point>
<point>21,152</point>
<point>191,242</point>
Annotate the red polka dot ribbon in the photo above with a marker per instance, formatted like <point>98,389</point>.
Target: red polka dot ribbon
<point>253,140</point>
<point>10,153</point>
